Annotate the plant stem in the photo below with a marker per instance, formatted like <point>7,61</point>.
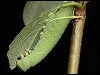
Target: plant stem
<point>76,40</point>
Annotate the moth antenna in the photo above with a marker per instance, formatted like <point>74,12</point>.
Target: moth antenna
<point>18,65</point>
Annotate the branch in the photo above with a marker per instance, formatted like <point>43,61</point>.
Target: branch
<point>76,40</point>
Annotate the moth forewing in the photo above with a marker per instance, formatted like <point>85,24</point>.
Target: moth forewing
<point>48,39</point>
<point>46,28</point>
<point>34,16</point>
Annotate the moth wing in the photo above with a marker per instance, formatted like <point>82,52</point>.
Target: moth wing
<point>29,35</point>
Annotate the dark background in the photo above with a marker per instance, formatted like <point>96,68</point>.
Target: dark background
<point>57,60</point>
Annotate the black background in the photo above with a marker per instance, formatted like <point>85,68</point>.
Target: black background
<point>57,60</point>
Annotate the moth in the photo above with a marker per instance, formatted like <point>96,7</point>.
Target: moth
<point>45,22</point>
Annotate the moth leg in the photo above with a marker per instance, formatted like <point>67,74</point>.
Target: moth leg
<point>66,4</point>
<point>75,17</point>
<point>79,5</point>
<point>68,17</point>
<point>18,65</point>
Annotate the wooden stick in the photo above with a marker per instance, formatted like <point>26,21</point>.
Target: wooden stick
<point>76,40</point>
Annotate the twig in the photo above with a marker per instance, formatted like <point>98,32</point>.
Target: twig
<point>76,40</point>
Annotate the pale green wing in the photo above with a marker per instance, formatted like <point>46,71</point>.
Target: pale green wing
<point>51,34</point>
<point>30,34</point>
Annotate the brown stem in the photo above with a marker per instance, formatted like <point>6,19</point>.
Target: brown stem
<point>76,40</point>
